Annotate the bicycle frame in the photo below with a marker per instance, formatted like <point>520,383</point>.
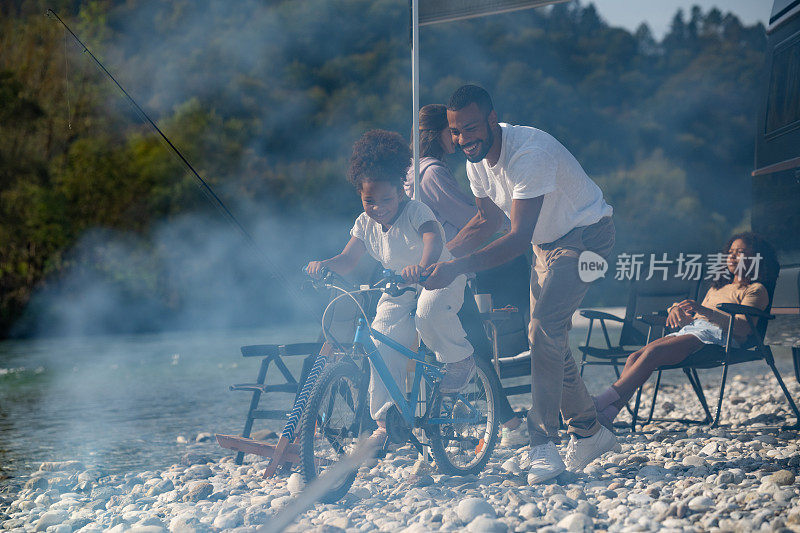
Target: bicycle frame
<point>430,372</point>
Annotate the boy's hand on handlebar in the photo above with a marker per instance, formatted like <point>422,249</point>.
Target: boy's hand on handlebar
<point>316,269</point>
<point>412,273</point>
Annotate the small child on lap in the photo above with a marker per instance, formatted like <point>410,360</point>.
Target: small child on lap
<point>404,236</point>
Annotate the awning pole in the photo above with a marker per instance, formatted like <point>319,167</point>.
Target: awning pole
<point>415,90</point>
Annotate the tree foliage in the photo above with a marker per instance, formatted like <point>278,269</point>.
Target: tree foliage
<point>266,97</point>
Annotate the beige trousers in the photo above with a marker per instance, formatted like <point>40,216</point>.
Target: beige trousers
<point>556,293</point>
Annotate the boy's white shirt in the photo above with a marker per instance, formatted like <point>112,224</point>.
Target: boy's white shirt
<point>531,164</point>
<point>401,245</point>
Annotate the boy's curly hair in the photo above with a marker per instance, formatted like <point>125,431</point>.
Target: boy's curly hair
<point>379,155</point>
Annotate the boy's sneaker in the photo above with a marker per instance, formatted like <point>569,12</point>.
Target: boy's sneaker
<point>457,375</point>
<point>515,438</point>
<point>546,463</point>
<point>581,452</point>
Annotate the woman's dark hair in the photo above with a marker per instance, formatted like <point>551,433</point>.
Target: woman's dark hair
<point>432,120</point>
<point>767,267</point>
<point>379,156</point>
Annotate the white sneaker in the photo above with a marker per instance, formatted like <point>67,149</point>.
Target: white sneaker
<point>581,452</point>
<point>515,438</point>
<point>546,463</point>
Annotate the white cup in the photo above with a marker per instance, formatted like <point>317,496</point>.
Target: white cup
<point>484,302</point>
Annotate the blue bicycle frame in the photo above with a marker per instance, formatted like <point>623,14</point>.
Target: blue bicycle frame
<point>431,373</point>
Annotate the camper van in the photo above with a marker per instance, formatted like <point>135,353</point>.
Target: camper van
<point>776,178</point>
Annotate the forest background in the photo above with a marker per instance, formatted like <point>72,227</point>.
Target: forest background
<point>102,230</point>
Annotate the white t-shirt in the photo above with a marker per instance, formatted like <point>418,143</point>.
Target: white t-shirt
<point>532,163</point>
<point>401,245</point>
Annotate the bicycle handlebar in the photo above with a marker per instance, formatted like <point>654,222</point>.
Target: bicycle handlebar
<point>388,283</point>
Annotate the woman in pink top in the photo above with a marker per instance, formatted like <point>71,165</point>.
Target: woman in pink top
<point>438,188</point>
<point>698,324</point>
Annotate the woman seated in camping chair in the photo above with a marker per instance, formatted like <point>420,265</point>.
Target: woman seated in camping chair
<point>750,258</point>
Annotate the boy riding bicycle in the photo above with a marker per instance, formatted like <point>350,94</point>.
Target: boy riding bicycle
<point>403,235</point>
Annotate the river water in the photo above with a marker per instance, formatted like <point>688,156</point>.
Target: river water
<point>120,402</point>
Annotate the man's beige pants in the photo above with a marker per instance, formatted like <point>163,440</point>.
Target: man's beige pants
<point>556,293</point>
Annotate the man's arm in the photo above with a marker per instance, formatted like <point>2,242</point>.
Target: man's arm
<point>478,230</point>
<point>524,215</point>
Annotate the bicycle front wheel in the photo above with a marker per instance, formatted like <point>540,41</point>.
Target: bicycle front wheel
<point>333,419</point>
<point>463,431</point>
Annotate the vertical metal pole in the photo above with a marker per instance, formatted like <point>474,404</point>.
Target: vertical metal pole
<point>415,90</point>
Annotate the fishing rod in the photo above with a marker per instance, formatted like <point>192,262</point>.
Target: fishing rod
<point>204,186</point>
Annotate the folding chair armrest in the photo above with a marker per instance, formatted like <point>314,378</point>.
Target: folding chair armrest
<point>736,309</point>
<point>599,315</point>
<point>658,318</point>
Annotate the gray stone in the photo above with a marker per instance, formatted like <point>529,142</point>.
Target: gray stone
<point>769,440</point>
<point>257,514</point>
<point>576,494</point>
<point>229,520</point>
<point>295,483</point>
<point>470,508</point>
<point>146,529</point>
<point>700,503</point>
<point>62,466</point>
<point>560,501</point>
<point>51,518</point>
<point>529,510</point>
<point>725,478</point>
<point>199,490</point>
<point>37,483</point>
<point>782,477</point>
<point>165,485</point>
<point>198,472</point>
<point>194,458</point>
<point>709,449</point>
<point>576,522</point>
<point>693,460</point>
<point>551,490</point>
<point>484,524</point>
<point>423,480</point>
<point>586,508</point>
<point>204,437</point>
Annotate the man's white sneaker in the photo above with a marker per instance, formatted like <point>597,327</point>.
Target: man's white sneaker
<point>515,438</point>
<point>546,463</point>
<point>581,452</point>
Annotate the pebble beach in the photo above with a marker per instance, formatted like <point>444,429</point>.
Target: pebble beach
<point>741,476</point>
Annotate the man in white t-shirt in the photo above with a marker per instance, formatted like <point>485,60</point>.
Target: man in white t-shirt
<point>533,179</point>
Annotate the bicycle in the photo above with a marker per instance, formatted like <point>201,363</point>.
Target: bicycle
<point>461,428</point>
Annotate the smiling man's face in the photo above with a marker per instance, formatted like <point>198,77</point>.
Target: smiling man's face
<point>471,131</point>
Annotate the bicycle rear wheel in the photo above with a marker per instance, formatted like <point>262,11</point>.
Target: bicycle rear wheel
<point>334,418</point>
<point>465,442</point>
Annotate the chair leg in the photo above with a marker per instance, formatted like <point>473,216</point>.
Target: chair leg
<point>785,392</point>
<point>796,361</point>
<point>248,422</point>
<point>694,381</point>
<point>655,396</point>
<point>721,395</point>
<point>635,411</point>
